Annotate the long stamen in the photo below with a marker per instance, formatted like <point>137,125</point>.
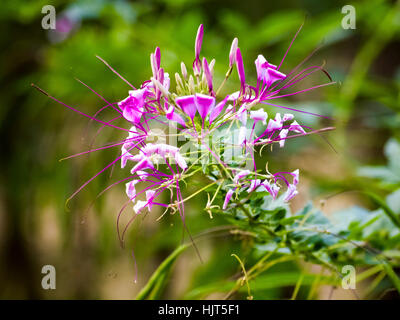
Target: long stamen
<point>101,148</point>
<point>97,174</point>
<point>301,91</point>
<point>297,110</point>
<point>291,43</point>
<point>80,112</point>
<point>113,70</point>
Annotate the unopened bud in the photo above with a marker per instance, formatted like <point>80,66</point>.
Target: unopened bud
<point>232,53</point>
<point>184,70</point>
<point>178,80</point>
<point>199,41</point>
<point>192,88</point>
<point>207,74</point>
<point>211,66</point>
<point>153,65</point>
<point>160,87</point>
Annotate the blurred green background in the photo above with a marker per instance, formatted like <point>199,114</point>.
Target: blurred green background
<point>35,227</point>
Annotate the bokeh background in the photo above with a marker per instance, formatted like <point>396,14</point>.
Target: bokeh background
<point>35,226</point>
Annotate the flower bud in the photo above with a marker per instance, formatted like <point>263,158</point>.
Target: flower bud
<point>157,84</point>
<point>240,69</point>
<point>178,79</point>
<point>208,75</point>
<point>192,88</point>
<point>232,53</point>
<point>184,70</point>
<point>211,66</point>
<point>199,41</point>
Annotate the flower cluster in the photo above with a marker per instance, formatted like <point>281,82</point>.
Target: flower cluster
<point>195,109</point>
<point>196,112</point>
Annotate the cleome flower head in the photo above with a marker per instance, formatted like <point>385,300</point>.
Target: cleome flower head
<point>198,113</point>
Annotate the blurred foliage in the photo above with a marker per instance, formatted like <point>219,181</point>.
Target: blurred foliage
<point>35,227</point>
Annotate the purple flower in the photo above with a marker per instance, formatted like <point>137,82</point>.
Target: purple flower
<point>282,137</point>
<point>150,197</point>
<point>296,127</point>
<point>267,72</point>
<point>133,106</point>
<point>254,184</point>
<point>180,161</point>
<point>241,175</point>
<point>275,124</point>
<point>145,163</point>
<point>204,104</point>
<point>290,192</point>
<point>242,136</point>
<point>130,189</point>
<point>259,115</point>
<point>287,117</point>
<point>174,116</point>
<point>143,175</point>
<point>227,198</point>
<point>295,175</point>
<point>242,114</point>
<point>126,155</point>
<point>154,101</point>
<point>187,105</point>
<point>272,189</point>
<point>234,96</point>
<point>128,146</point>
<point>162,150</point>
<point>139,206</point>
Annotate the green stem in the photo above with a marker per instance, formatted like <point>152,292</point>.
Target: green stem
<point>158,276</point>
<point>297,287</point>
<point>392,275</point>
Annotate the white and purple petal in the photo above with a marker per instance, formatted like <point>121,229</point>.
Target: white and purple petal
<point>204,104</point>
<point>227,198</point>
<point>188,105</point>
<point>259,115</point>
